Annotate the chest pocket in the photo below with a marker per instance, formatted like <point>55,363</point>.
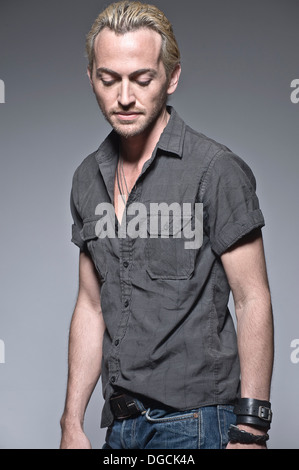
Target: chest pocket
<point>96,246</point>
<point>167,255</point>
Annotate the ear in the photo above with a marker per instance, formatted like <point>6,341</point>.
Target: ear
<point>174,79</point>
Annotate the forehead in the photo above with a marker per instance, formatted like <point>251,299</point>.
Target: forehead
<point>132,50</point>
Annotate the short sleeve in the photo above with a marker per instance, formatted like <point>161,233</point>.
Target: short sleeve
<point>230,203</point>
<point>77,220</point>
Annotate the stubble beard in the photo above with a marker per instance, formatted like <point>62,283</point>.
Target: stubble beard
<point>126,129</point>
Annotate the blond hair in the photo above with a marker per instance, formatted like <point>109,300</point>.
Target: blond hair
<point>125,16</point>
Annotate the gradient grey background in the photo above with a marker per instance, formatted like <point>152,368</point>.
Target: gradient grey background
<point>238,59</point>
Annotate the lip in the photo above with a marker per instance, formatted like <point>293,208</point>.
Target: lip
<point>127,116</point>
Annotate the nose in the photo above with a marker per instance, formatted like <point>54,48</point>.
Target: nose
<point>126,96</point>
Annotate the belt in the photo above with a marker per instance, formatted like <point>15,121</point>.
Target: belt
<point>124,406</point>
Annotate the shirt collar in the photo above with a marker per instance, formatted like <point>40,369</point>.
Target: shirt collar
<point>172,138</point>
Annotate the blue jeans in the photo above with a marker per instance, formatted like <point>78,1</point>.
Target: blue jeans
<point>201,428</point>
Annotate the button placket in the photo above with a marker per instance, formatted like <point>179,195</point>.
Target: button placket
<point>125,249</point>
<point>125,254</point>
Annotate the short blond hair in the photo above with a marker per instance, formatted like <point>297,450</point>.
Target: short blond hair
<point>126,16</point>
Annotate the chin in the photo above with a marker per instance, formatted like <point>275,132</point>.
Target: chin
<point>128,131</point>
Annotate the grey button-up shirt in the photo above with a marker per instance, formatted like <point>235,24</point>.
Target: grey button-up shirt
<point>169,334</point>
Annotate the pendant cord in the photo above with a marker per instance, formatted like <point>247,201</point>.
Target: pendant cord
<point>123,173</point>
<point>119,178</point>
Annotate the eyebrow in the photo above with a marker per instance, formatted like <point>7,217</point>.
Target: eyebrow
<point>153,72</point>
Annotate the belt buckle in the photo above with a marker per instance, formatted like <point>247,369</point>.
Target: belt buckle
<point>265,413</point>
<point>133,408</point>
<point>123,409</point>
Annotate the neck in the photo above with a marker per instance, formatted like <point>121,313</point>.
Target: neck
<point>140,147</point>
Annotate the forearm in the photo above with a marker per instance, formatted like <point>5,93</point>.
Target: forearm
<point>255,344</point>
<point>245,267</point>
<point>84,360</point>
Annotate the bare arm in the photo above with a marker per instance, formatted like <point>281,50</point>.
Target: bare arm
<point>246,271</point>
<point>85,355</point>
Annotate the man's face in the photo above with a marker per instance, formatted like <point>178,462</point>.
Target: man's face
<point>129,79</point>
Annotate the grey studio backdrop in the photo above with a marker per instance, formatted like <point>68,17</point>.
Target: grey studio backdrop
<point>240,66</point>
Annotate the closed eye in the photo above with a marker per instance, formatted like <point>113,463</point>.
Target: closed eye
<point>142,77</point>
<point>107,82</point>
<point>143,82</point>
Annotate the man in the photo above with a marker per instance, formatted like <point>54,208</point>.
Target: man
<point>151,316</point>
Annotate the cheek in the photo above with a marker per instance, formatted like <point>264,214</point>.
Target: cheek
<point>151,95</point>
<point>157,97</point>
<point>104,97</point>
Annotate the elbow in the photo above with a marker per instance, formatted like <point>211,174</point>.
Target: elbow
<point>256,303</point>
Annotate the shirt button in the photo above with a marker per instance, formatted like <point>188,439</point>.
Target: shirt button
<point>126,303</point>
<point>125,264</point>
<point>113,379</point>
<point>116,342</point>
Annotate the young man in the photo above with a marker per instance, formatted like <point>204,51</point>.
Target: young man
<point>151,316</point>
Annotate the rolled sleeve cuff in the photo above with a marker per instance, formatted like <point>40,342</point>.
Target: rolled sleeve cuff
<point>235,231</point>
<point>76,237</point>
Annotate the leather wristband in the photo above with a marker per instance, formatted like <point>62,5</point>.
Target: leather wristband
<point>243,437</point>
<point>253,412</point>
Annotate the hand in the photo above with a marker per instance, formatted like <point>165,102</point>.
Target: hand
<point>74,439</point>
<point>252,430</point>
